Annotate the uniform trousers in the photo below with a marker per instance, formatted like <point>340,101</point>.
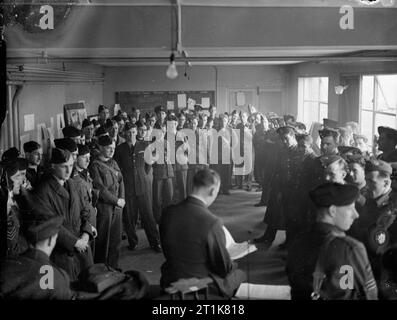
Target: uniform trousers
<point>141,205</point>
<point>162,196</point>
<point>108,241</point>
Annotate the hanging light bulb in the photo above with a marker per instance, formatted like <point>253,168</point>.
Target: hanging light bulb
<point>172,73</point>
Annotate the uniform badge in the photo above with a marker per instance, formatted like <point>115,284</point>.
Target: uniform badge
<point>378,239</point>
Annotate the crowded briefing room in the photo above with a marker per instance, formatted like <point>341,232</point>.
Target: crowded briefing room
<point>191,149</point>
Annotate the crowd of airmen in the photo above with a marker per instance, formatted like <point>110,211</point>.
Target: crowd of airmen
<point>97,179</point>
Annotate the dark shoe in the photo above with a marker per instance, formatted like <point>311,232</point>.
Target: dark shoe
<point>157,248</point>
<point>260,204</point>
<point>132,248</point>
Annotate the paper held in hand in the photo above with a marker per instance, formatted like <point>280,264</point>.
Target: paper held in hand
<point>237,250</point>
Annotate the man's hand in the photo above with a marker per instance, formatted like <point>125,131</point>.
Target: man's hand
<point>121,203</point>
<point>81,245</point>
<point>86,237</point>
<point>94,231</point>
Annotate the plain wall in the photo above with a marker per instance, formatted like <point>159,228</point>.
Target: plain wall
<point>201,78</point>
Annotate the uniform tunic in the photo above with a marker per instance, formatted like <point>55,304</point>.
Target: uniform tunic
<point>20,278</point>
<point>343,250</point>
<point>107,178</point>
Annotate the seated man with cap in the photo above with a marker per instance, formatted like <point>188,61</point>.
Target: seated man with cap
<point>34,155</point>
<point>316,260</point>
<point>72,133</point>
<point>376,226</point>
<point>32,275</point>
<point>60,195</point>
<point>107,178</point>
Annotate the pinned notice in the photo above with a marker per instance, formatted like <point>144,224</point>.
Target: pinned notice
<point>170,105</point>
<point>240,99</point>
<point>205,103</point>
<point>181,101</point>
<point>29,122</point>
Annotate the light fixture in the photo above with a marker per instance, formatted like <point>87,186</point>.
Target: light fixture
<point>340,89</point>
<point>172,73</point>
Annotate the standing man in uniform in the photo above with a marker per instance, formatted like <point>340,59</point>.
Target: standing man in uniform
<point>130,158</point>
<point>317,260</point>
<point>107,178</point>
<point>60,195</point>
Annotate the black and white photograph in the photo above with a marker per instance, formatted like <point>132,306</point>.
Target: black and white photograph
<point>185,151</point>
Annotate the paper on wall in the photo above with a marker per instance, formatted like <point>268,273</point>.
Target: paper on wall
<point>22,139</point>
<point>170,105</point>
<point>29,122</point>
<point>190,103</point>
<point>60,124</point>
<point>181,101</point>
<point>205,102</point>
<point>249,291</point>
<point>240,99</point>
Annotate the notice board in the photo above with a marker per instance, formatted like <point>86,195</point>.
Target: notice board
<point>172,100</point>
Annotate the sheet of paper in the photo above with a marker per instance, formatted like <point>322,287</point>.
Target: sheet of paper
<point>181,101</point>
<point>249,291</point>
<point>240,99</point>
<point>237,250</point>
<point>205,102</point>
<point>190,103</point>
<point>170,105</point>
<point>29,122</point>
<point>60,125</point>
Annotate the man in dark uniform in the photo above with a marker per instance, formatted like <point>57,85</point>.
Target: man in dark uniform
<point>60,195</point>
<point>83,179</point>
<point>181,160</point>
<point>107,178</point>
<point>88,130</point>
<point>326,262</point>
<point>103,114</point>
<point>22,277</point>
<point>34,155</point>
<point>163,172</point>
<point>131,160</point>
<point>194,242</point>
<point>245,136</point>
<point>376,227</point>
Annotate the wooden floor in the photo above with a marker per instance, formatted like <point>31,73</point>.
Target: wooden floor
<point>244,222</point>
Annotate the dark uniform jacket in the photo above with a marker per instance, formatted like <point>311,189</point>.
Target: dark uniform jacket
<point>194,245</point>
<point>342,251</point>
<point>20,278</point>
<point>34,176</point>
<point>131,160</point>
<point>69,205</point>
<point>163,169</point>
<point>369,215</point>
<point>87,191</point>
<point>107,178</point>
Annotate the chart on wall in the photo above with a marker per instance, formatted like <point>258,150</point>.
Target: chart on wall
<point>171,100</point>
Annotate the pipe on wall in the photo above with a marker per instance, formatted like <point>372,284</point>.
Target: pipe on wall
<point>15,115</point>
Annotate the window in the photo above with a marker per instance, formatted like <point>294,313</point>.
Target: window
<point>312,100</point>
<point>378,103</point>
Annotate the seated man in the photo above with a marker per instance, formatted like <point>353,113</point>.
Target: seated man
<point>23,277</point>
<point>194,242</point>
<point>326,249</point>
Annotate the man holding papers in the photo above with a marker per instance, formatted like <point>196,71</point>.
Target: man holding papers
<point>193,240</point>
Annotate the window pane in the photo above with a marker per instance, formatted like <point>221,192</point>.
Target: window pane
<point>367,92</point>
<point>366,124</point>
<point>324,89</point>
<point>386,93</point>
<point>310,113</point>
<point>311,89</point>
<point>323,112</point>
<point>384,120</point>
